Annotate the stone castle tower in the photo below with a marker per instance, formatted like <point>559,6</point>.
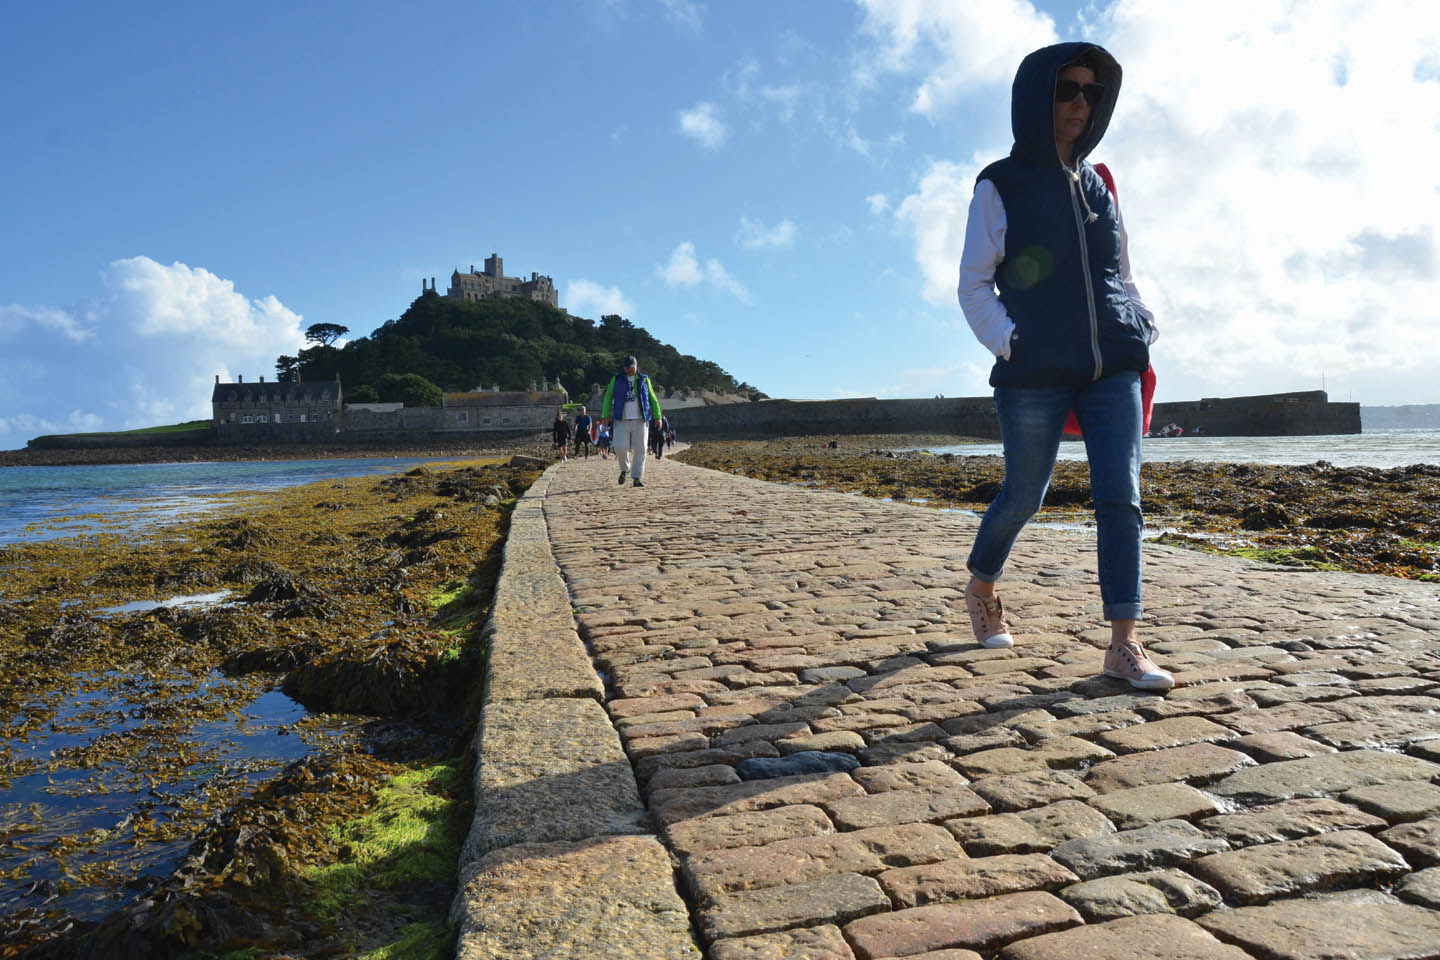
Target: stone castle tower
<point>492,284</point>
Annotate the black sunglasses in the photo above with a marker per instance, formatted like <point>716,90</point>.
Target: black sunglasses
<point>1067,90</point>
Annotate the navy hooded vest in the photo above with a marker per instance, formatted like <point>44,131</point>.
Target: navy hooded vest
<point>1060,281</point>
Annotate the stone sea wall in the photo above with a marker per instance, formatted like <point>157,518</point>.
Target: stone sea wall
<point>1286,414</point>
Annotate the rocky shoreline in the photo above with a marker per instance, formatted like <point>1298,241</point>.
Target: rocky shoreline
<point>1359,519</point>
<point>535,446</point>
<point>362,600</point>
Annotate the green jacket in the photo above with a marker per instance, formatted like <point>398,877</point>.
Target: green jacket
<point>618,392</point>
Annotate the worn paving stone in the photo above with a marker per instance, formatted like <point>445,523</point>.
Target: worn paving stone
<point>1156,937</point>
<point>972,879</point>
<point>1161,801</point>
<point>931,775</point>
<point>1054,753</point>
<point>1196,764</point>
<point>1021,791</point>
<point>1318,776</point>
<point>1325,862</point>
<point>905,806</point>
<point>1289,820</point>
<point>1067,820</point>
<point>806,858</point>
<point>1397,802</point>
<point>1159,734</point>
<point>689,837</point>
<point>609,896</point>
<point>1167,843</point>
<point>980,925</point>
<point>648,767</point>
<point>1083,725</point>
<point>1386,731</point>
<point>1418,841</point>
<point>1274,719</point>
<point>1280,745</point>
<point>549,770</point>
<point>1421,887</point>
<point>845,741</point>
<point>996,834</point>
<point>1133,894</point>
<point>808,761</point>
<point>671,806</point>
<point>837,898</point>
<point>1314,929</point>
<point>620,709</point>
<point>806,943</point>
<point>710,775</point>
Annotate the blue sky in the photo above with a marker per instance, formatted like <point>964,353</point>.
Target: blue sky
<point>779,187</point>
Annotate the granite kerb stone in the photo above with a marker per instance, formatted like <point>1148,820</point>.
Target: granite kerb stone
<point>560,852</point>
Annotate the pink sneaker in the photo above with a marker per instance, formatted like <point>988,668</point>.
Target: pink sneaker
<point>1130,662</point>
<point>987,619</point>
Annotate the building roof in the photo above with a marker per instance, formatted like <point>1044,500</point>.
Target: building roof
<point>314,391</point>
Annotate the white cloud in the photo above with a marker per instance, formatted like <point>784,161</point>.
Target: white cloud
<point>685,270</point>
<point>14,318</point>
<point>702,124</point>
<point>878,203</point>
<point>754,235</point>
<point>144,352</point>
<point>585,298</point>
<point>1275,165</point>
<point>684,13</point>
<point>954,44</point>
<point>743,81</point>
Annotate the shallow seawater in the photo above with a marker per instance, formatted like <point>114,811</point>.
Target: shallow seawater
<point>109,790</point>
<point>191,601</point>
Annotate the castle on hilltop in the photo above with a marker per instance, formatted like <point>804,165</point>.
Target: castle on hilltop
<point>492,284</point>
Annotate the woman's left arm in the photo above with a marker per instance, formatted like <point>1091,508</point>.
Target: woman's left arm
<point>1129,280</point>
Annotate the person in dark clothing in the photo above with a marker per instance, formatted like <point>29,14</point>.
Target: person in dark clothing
<point>582,432</point>
<point>560,431</point>
<point>1045,285</point>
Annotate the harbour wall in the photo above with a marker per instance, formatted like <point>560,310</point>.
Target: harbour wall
<point>1281,414</point>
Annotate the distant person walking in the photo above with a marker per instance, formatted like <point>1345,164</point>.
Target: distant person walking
<point>560,432</point>
<point>1068,331</point>
<point>582,432</point>
<point>630,408</point>
<point>657,439</point>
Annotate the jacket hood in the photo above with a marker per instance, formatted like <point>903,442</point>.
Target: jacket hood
<point>1032,99</point>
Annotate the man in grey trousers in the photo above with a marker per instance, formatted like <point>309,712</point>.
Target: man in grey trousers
<point>630,408</point>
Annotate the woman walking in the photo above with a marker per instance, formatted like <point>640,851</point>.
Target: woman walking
<point>1045,285</point>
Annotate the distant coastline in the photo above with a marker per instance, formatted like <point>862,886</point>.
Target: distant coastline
<point>532,446</point>
<point>1421,415</point>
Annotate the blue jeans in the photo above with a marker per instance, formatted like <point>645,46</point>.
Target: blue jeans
<point>1031,421</point>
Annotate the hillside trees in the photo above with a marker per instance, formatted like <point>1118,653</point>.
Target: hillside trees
<point>458,345</point>
<point>410,389</point>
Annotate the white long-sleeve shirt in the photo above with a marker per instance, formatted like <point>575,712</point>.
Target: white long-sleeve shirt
<point>985,248</point>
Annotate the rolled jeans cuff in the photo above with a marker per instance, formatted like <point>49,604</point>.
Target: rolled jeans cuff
<point>1123,611</point>
<point>983,577</point>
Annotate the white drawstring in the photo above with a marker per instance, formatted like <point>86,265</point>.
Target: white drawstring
<point>1090,215</point>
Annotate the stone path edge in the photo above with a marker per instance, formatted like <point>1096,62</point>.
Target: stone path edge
<point>559,860</point>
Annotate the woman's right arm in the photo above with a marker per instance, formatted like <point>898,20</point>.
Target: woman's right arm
<point>984,250</point>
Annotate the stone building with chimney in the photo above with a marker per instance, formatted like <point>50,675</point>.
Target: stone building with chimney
<point>492,284</point>
<point>278,410</point>
<point>314,412</point>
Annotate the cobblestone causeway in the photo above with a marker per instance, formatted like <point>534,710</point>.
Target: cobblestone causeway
<point>838,771</point>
